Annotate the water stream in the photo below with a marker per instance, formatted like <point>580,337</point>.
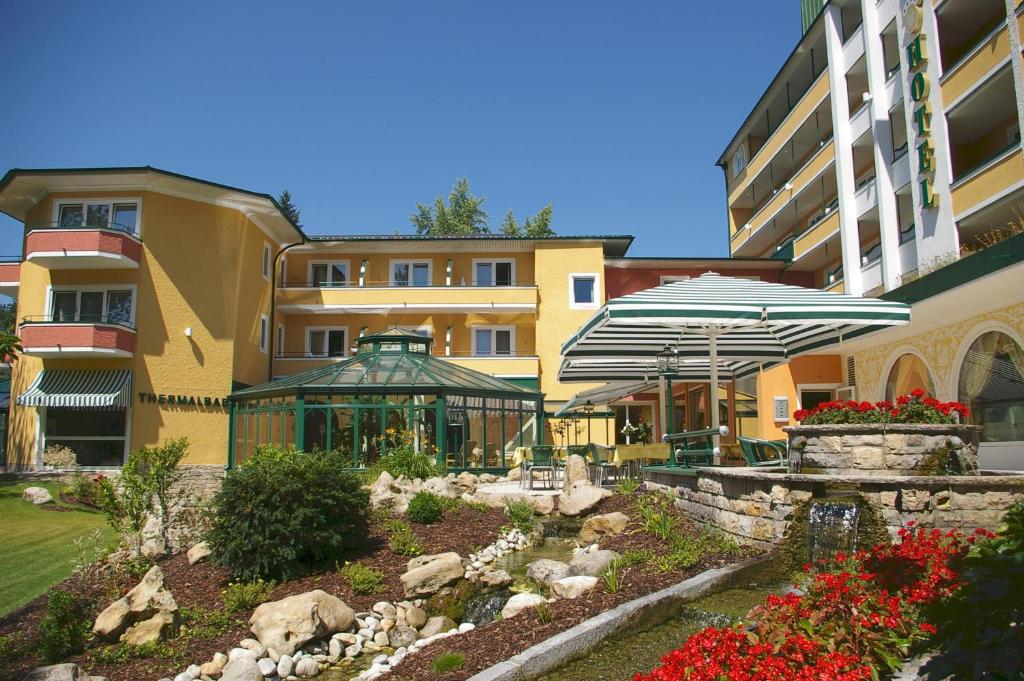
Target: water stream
<point>833,527</point>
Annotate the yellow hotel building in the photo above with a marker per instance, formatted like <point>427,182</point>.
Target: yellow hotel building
<point>884,159</point>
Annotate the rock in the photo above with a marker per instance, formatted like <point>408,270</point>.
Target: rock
<point>381,494</point>
<point>57,672</point>
<point>466,480</point>
<point>591,562</point>
<point>546,570</point>
<point>199,553</point>
<point>38,496</point>
<point>353,650</point>
<point>573,587</point>
<point>285,666</point>
<point>184,676</point>
<point>381,639</point>
<point>487,478</point>
<point>496,578</point>
<point>466,626</point>
<point>402,637</point>
<point>242,669</point>
<point>257,648</point>
<point>515,474</point>
<point>415,617</point>
<point>306,668</point>
<point>542,505</point>
<point>575,469</point>
<point>239,653</point>
<point>427,574</point>
<point>581,497</point>
<point>146,613</point>
<point>273,655</point>
<point>267,666</point>
<point>215,666</point>
<point>442,488</point>
<point>385,609</point>
<point>608,524</point>
<point>436,625</point>
<point>288,624</point>
<point>520,602</point>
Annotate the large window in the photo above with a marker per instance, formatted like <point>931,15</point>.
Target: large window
<point>583,290</point>
<point>494,273</point>
<point>326,342</point>
<point>991,384</point>
<point>323,274</point>
<point>105,214</point>
<point>96,437</point>
<point>493,340</point>
<point>410,273</point>
<point>909,373</point>
<point>92,306</point>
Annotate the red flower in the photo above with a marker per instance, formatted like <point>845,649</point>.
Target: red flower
<point>801,414</point>
<point>917,392</point>
<point>927,628</point>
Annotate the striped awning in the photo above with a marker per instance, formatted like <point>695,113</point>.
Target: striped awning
<point>748,320</point>
<point>79,389</point>
<point>605,394</point>
<point>601,370</point>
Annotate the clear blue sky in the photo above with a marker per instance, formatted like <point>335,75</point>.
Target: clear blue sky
<point>613,111</point>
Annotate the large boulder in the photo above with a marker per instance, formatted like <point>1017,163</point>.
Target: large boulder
<point>427,574</point>
<point>520,602</point>
<point>514,474</point>
<point>441,487</point>
<point>288,624</point>
<point>573,587</point>
<point>57,672</point>
<point>381,493</point>
<point>575,470</point>
<point>495,578</point>
<point>542,504</point>
<point>597,526</point>
<point>591,562</point>
<point>199,553</point>
<point>37,496</point>
<point>146,613</point>
<point>242,669</point>
<point>580,498</point>
<point>546,570</point>
<point>437,625</point>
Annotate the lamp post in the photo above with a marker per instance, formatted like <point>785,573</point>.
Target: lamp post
<point>574,420</point>
<point>588,409</point>
<point>668,365</point>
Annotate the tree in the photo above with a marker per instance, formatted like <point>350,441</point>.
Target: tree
<point>533,227</point>
<point>10,347</point>
<point>290,210</point>
<point>509,226</point>
<point>7,313</point>
<point>464,214</point>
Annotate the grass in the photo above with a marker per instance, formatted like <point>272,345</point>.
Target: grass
<point>39,545</point>
<point>447,662</point>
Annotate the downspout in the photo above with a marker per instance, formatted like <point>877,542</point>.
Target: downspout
<point>272,331</point>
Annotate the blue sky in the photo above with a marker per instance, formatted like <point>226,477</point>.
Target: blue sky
<point>614,111</point>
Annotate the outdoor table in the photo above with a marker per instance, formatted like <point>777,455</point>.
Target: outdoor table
<point>640,452</point>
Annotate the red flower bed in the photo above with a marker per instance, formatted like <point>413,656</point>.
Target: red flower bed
<point>859,615</point>
<point>917,407</point>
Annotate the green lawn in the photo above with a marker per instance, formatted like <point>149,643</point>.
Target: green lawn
<point>37,547</point>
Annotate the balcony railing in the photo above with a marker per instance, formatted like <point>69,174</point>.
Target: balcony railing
<point>396,284</point>
<point>109,320</point>
<point>82,335</point>
<point>84,245</point>
<point>84,224</point>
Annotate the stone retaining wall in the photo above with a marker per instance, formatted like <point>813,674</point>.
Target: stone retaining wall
<point>756,506</point>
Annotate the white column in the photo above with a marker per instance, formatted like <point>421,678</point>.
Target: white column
<point>888,211</point>
<point>843,138</point>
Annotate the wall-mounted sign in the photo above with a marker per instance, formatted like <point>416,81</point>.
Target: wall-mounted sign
<point>184,400</point>
<point>920,88</point>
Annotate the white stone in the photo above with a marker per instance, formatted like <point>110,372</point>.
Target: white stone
<point>242,669</point>
<point>184,676</point>
<point>267,666</point>
<point>306,668</point>
<point>427,574</point>
<point>381,639</point>
<point>285,666</point>
<point>385,609</point>
<point>288,624</point>
<point>199,553</point>
<point>580,498</point>
<point>258,649</point>
<point>37,495</point>
<point>466,626</point>
<point>353,650</point>
<point>573,587</point>
<point>520,602</point>
<point>240,653</point>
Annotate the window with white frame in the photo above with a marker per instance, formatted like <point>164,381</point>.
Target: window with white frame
<point>582,290</point>
<point>326,341</point>
<point>96,436</point>
<point>410,273</point>
<point>494,273</point>
<point>324,274</point>
<point>92,306</point>
<point>266,261</point>
<point>107,214</point>
<point>739,160</point>
<point>492,341</point>
<point>672,278</point>
<point>264,332</point>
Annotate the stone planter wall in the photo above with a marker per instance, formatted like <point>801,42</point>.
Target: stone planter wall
<point>756,506</point>
<point>883,449</point>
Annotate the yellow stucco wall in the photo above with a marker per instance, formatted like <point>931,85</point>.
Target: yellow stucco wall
<point>782,381</point>
<point>379,265</point>
<point>941,349</point>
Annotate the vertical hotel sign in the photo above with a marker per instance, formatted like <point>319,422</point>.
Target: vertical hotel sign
<point>920,88</point>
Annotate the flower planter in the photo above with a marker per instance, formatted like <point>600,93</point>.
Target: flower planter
<point>884,449</point>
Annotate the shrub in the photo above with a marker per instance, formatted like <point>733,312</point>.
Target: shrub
<point>425,509</point>
<point>203,623</point>
<point>85,488</point>
<point>610,576</point>
<point>362,579</point>
<point>240,596</point>
<point>478,506</point>
<point>655,514</point>
<point>65,627</point>
<point>447,662</point>
<point>399,457</point>
<point>60,457</point>
<point>136,567</point>
<point>520,514</point>
<point>285,511</point>
<point>628,486</point>
<point>917,407</point>
<point>402,539</point>
<point>119,654</point>
<point>12,646</point>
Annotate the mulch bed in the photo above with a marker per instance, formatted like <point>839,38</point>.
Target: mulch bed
<point>199,586</point>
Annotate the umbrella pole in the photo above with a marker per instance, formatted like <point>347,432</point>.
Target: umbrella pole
<point>713,402</point>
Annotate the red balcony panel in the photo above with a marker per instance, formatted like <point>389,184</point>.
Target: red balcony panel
<point>10,272</point>
<point>77,339</point>
<point>83,248</point>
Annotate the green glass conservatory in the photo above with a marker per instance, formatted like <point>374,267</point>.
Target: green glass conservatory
<point>392,389</point>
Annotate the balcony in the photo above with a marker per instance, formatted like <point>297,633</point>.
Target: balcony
<point>350,299</point>
<point>992,179</point>
<point>89,337</point>
<point>110,246</point>
<point>10,275</point>
<point>976,65</point>
<point>816,234</point>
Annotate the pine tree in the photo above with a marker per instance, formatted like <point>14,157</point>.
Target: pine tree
<point>289,209</point>
<point>464,214</point>
<point>509,226</point>
<point>540,224</point>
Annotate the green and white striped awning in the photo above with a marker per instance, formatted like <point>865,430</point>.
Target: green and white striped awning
<point>79,389</point>
<point>748,320</point>
<point>644,369</point>
<point>605,394</point>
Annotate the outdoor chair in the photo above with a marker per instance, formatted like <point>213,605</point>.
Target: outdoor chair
<point>542,459</point>
<point>459,460</point>
<point>761,453</point>
<point>694,448</point>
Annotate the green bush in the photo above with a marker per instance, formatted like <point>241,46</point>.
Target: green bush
<point>65,627</point>
<point>425,509</point>
<point>447,662</point>
<point>403,459</point>
<point>121,653</point>
<point>403,540</point>
<point>205,623</point>
<point>362,579</point>
<point>240,596</point>
<point>656,516</point>
<point>284,512</point>
<point>12,646</point>
<point>520,514</point>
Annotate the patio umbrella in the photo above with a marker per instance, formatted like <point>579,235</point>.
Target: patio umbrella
<point>619,369</point>
<point>726,318</point>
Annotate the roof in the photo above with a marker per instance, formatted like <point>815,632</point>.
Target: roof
<point>615,245</point>
<point>22,188</point>
<point>735,263</point>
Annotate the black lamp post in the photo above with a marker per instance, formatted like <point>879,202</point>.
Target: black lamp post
<point>668,366</point>
<point>588,409</point>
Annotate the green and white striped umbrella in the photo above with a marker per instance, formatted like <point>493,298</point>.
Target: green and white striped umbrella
<point>599,370</point>
<point>604,394</point>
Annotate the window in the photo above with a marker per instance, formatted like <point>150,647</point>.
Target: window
<point>326,342</point>
<point>264,332</point>
<point>583,290</point>
<point>410,273</point>
<point>991,385</point>
<point>812,397</point>
<point>494,273</point>
<point>489,341</point>
<point>266,261</point>
<point>907,374</point>
<point>97,437</point>
<point>324,274</point>
<point>898,130</point>
<point>101,214</point>
<point>92,306</point>
<point>739,160</point>
<point>871,254</point>
<point>672,278</point>
<point>280,339</point>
